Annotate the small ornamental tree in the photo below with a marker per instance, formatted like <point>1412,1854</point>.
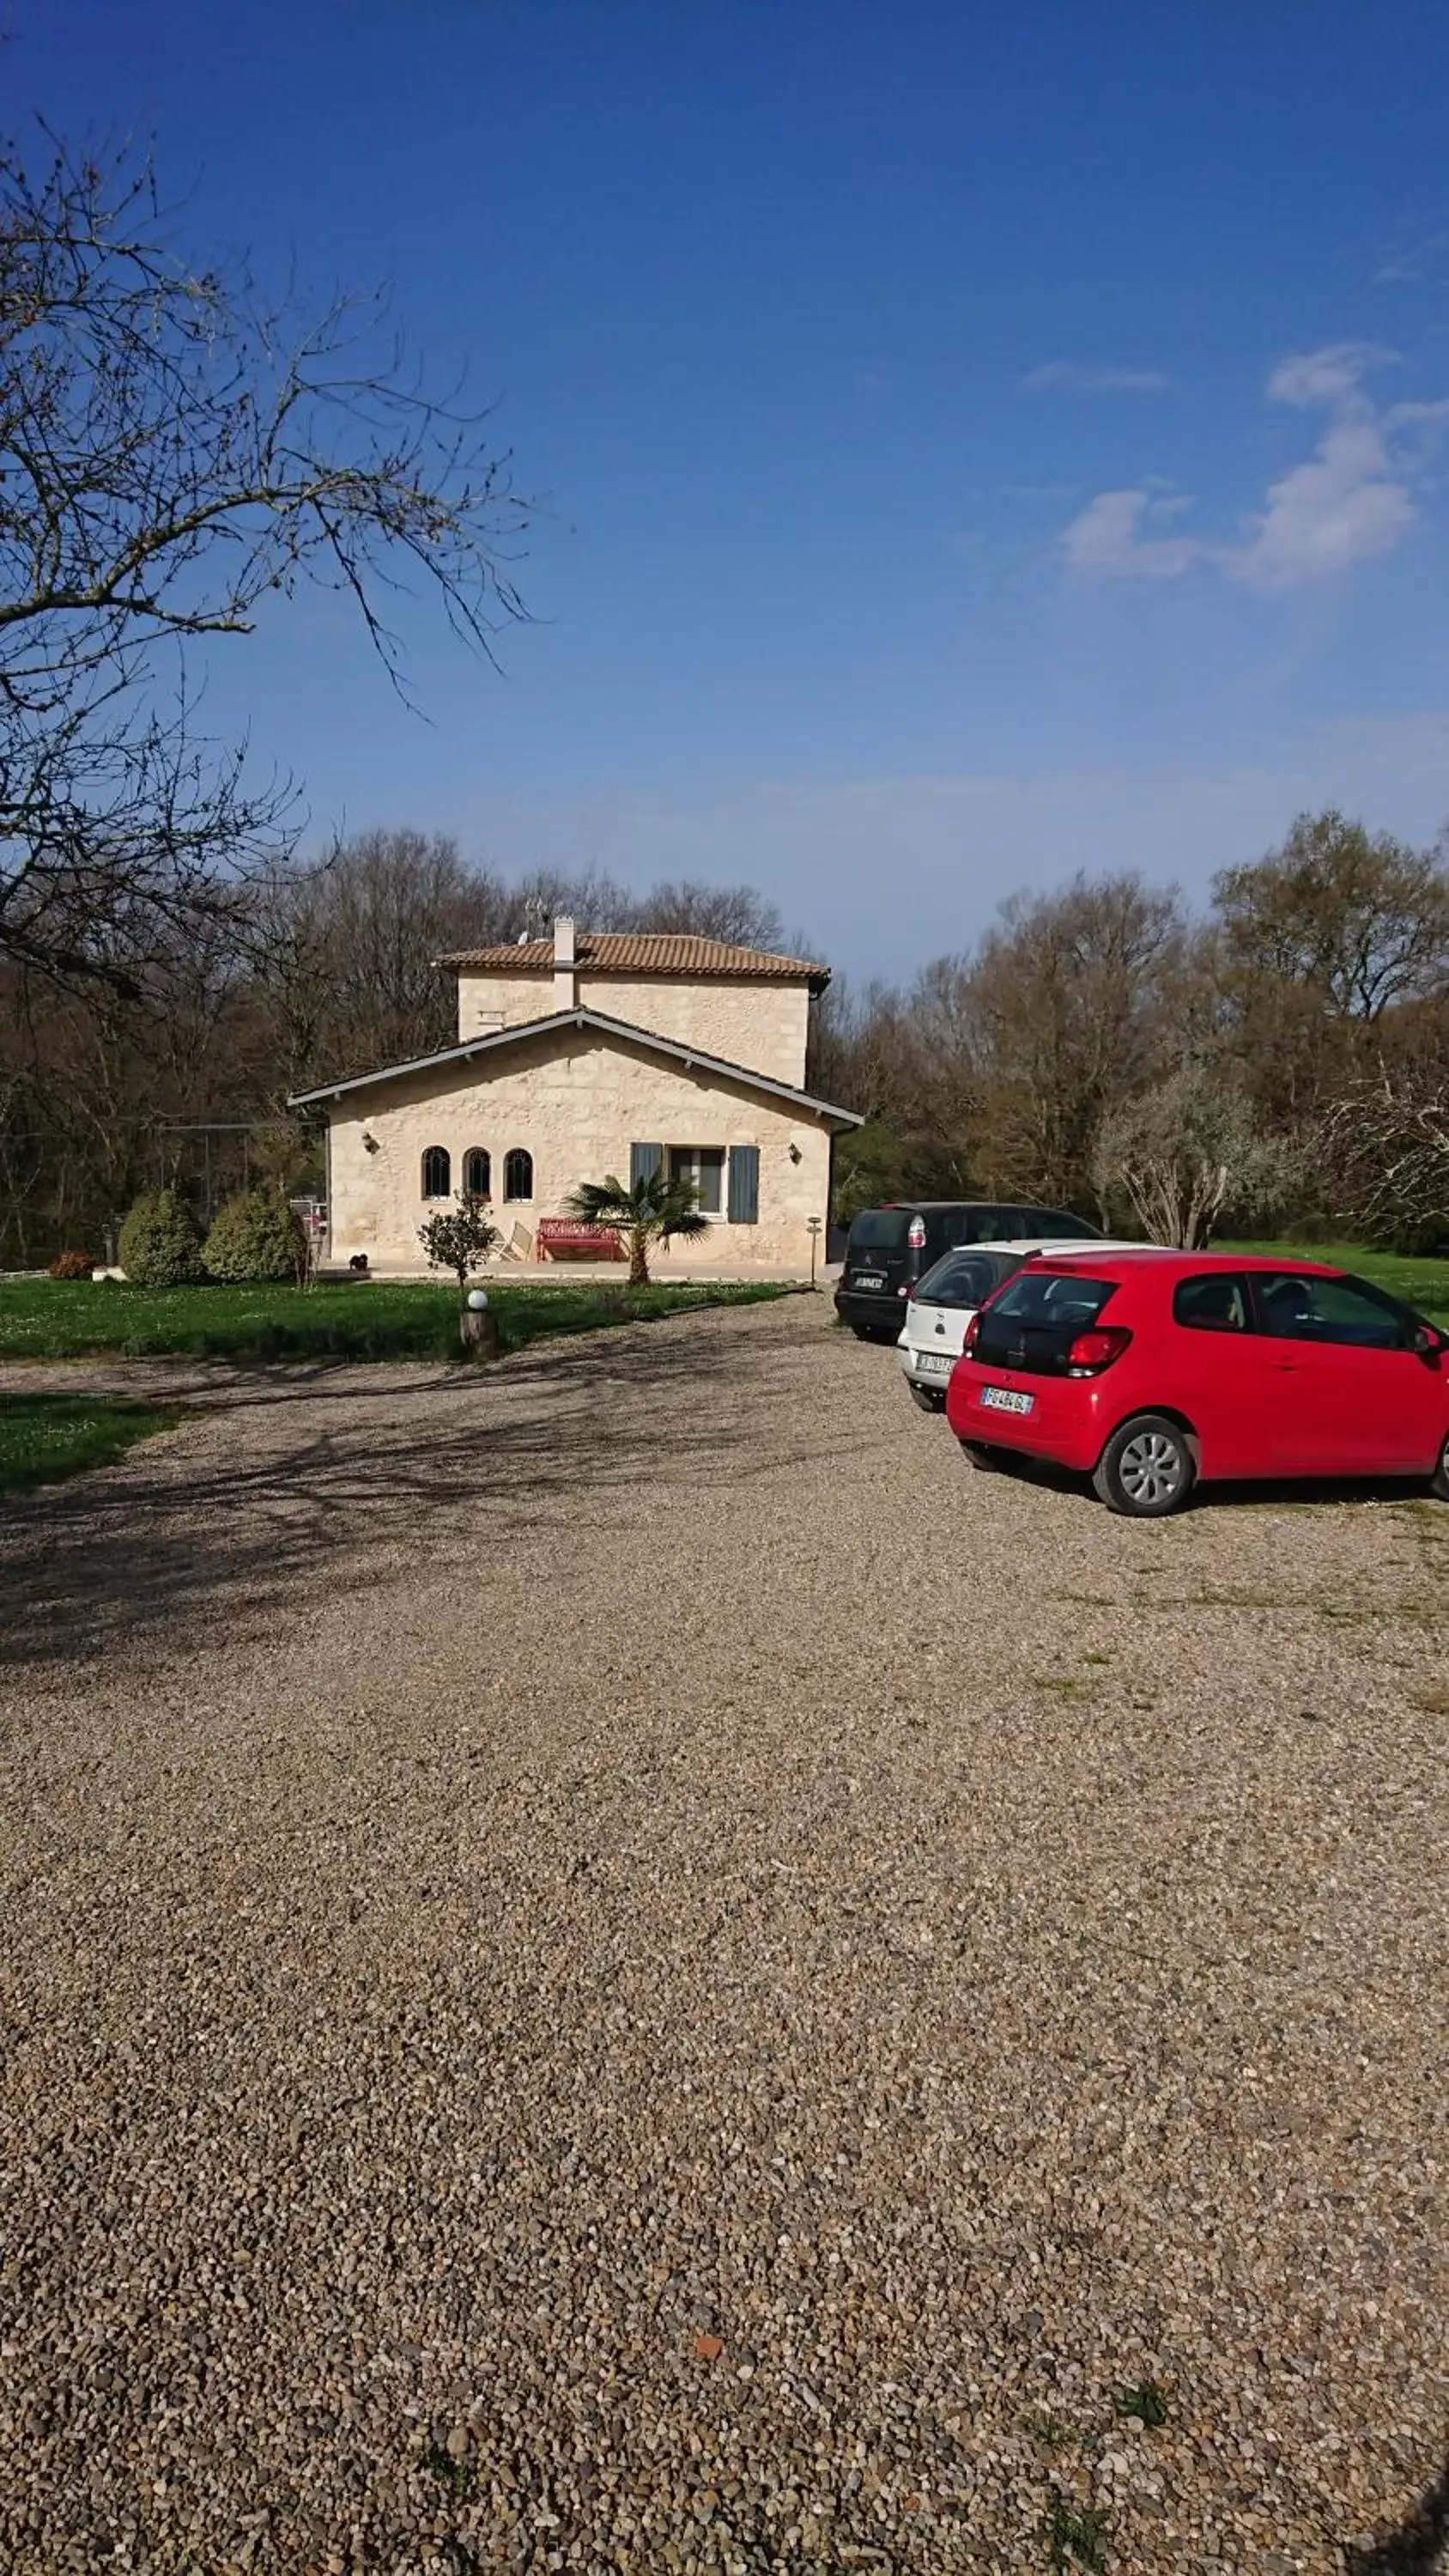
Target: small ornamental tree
<point>1182,1152</point>
<point>255,1236</point>
<point>649,1211</point>
<point>459,1239</point>
<point>160,1244</point>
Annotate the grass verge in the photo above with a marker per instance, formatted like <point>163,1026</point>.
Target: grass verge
<point>45,1437</point>
<point>50,1319</point>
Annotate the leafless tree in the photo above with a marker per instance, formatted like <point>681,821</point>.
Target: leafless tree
<point>1077,996</point>
<point>1386,1144</point>
<point>177,451</point>
<point>1181,1152</point>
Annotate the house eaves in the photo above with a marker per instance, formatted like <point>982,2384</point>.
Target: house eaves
<point>690,1057</point>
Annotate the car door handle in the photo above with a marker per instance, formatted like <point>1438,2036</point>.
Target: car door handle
<point>1290,1367</point>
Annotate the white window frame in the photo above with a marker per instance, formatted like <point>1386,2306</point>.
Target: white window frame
<point>683,1162</point>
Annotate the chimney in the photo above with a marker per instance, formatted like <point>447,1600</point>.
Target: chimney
<point>565,976</point>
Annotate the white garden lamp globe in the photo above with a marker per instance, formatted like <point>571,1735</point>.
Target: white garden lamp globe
<point>478,1300</point>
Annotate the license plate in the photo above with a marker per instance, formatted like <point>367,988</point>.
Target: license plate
<point>1004,1399</point>
<point>935,1363</point>
<point>867,1279</point>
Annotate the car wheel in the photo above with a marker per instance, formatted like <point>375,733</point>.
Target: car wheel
<point>1439,1481</point>
<point>1146,1468</point>
<point>990,1461</point>
<point>926,1397</point>
<point>864,1333</point>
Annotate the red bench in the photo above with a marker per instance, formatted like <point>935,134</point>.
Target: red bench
<point>569,1234</point>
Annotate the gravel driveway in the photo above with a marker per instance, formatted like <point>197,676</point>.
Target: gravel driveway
<point>622,1965</point>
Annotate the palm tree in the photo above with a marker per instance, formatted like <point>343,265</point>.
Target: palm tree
<point>649,1211</point>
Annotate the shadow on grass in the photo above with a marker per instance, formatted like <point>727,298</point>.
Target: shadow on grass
<point>46,1437</point>
<point>286,1479</point>
<point>1419,2547</point>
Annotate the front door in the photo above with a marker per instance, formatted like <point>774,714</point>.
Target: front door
<point>1349,1397</point>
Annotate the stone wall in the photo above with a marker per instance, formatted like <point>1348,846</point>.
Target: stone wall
<point>760,1025</point>
<point>576,1103</point>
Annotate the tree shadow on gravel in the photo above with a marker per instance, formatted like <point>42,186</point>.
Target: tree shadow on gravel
<point>268,1502</point>
<point>1420,2545</point>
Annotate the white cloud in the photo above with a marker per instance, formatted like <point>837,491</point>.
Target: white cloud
<point>1343,507</point>
<point>1414,261</point>
<point>1067,376</point>
<point>1351,500</point>
<point>1332,376</point>
<point>1116,538</point>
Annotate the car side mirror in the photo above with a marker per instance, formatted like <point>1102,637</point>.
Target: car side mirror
<point>1426,1342</point>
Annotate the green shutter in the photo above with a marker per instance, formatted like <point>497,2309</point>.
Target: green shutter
<point>644,1162</point>
<point>744,1184</point>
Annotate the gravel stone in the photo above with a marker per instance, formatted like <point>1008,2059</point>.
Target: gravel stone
<point>616,1965</point>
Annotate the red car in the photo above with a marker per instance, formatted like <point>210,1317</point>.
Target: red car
<point>1149,1370</point>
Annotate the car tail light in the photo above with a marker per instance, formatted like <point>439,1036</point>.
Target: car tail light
<point>916,1238</point>
<point>973,1326</point>
<point>1092,1352</point>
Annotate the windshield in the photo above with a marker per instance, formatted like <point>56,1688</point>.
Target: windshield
<point>963,1278</point>
<point>878,1230</point>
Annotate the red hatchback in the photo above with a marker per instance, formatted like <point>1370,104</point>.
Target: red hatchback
<point>1149,1370</point>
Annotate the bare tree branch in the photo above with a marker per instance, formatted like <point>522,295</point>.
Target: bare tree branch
<point>174,451</point>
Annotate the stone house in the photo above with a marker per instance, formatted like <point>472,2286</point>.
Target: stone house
<point>587,1054</point>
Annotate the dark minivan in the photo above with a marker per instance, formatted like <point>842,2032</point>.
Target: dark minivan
<point>888,1248</point>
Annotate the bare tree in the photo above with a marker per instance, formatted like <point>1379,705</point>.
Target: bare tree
<point>1078,997</point>
<point>1386,1144</point>
<point>176,451</point>
<point>1183,1151</point>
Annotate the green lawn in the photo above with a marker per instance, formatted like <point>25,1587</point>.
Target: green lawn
<point>1421,1284</point>
<point>51,1319</point>
<point>43,1437</point>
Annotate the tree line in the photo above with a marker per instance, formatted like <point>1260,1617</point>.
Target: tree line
<point>179,1072</point>
<point>1281,1058</point>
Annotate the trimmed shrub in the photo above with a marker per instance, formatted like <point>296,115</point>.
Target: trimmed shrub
<point>71,1265</point>
<point>255,1236</point>
<point>160,1244</point>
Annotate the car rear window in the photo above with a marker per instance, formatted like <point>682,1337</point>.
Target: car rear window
<point>878,1230</point>
<point>1060,1298</point>
<point>1062,1228</point>
<point>963,1278</point>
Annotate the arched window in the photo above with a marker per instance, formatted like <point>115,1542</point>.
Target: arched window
<point>437,1172</point>
<point>518,1174</point>
<point>477,1173</point>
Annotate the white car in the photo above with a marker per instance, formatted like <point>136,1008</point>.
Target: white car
<point>946,1297</point>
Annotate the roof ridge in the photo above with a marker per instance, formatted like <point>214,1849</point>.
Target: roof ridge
<point>680,952</point>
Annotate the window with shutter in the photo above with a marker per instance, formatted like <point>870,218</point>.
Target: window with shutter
<point>744,1185</point>
<point>644,1162</point>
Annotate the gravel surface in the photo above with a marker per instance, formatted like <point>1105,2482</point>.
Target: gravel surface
<point>622,1965</point>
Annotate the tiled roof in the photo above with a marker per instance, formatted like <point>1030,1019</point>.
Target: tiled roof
<point>627,952</point>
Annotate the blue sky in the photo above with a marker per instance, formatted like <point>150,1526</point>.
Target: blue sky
<point>977,441</point>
